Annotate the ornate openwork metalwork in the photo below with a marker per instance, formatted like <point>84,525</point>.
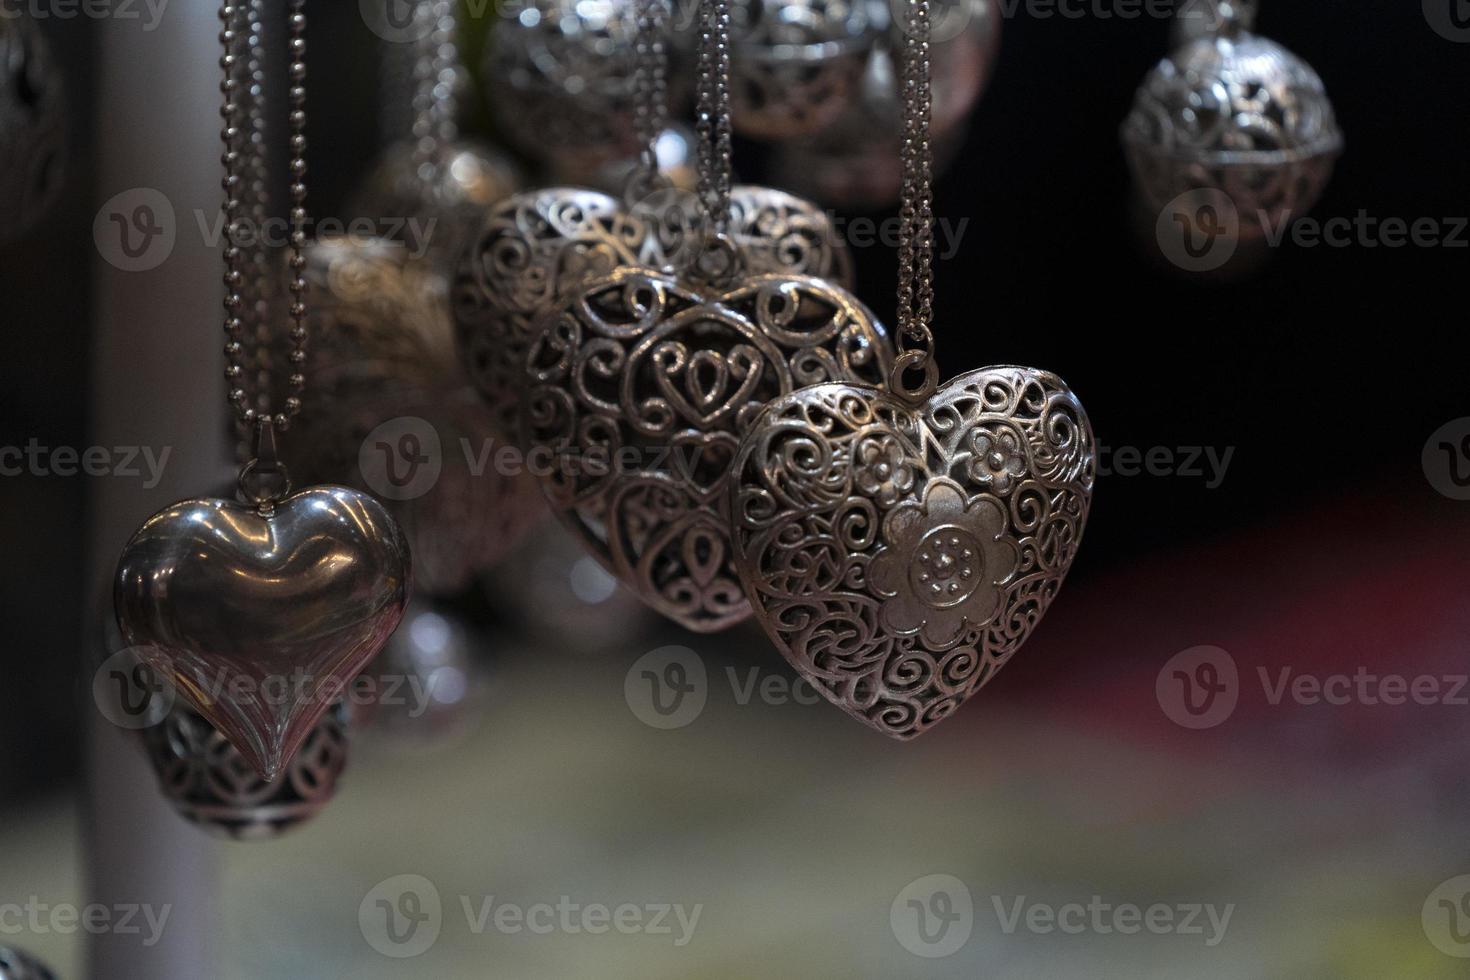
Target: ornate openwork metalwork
<point>1239,114</point>
<point>210,784</point>
<point>537,247</point>
<point>795,64</point>
<point>640,389</point>
<point>32,127</point>
<point>899,556</point>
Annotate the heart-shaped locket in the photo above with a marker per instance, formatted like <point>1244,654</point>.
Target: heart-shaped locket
<point>897,555</point>
<point>535,248</point>
<point>638,391</point>
<point>260,621</point>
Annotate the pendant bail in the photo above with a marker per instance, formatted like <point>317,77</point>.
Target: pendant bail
<point>264,481</point>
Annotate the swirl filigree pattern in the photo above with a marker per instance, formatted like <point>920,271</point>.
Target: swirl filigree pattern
<point>535,248</point>
<point>1239,114</point>
<point>898,557</point>
<point>641,387</point>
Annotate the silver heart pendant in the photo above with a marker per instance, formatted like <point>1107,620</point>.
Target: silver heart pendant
<point>535,248</point>
<point>898,556</point>
<point>260,620</point>
<point>640,388</point>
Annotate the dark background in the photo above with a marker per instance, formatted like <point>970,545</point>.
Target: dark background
<point>1327,370</point>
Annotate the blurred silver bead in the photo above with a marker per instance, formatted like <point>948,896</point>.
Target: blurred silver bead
<point>209,783</point>
<point>559,78</point>
<point>427,688</point>
<point>465,178</point>
<point>1238,114</point>
<point>1197,19</point>
<point>795,65</point>
<point>563,599</point>
<point>32,127</point>
<point>16,964</point>
<point>383,349</point>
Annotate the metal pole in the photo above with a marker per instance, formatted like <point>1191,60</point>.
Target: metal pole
<point>157,343</point>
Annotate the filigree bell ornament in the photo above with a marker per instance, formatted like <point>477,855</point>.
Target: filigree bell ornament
<point>32,127</point>
<point>1236,113</point>
<point>560,78</point>
<point>642,382</point>
<point>899,546</point>
<point>257,610</point>
<point>854,161</point>
<point>796,64</point>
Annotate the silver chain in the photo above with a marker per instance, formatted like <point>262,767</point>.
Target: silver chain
<point>650,91</point>
<point>244,159</point>
<point>712,113</point>
<point>916,207</point>
<point>435,86</point>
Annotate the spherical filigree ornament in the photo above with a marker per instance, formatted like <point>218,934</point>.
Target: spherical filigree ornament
<point>1238,114</point>
<point>563,599</point>
<point>640,386</point>
<point>854,162</point>
<point>537,247</point>
<point>16,964</point>
<point>795,65</point>
<point>427,688</point>
<point>32,127</point>
<point>209,783</point>
<point>434,206</point>
<point>392,413</point>
<point>559,77</point>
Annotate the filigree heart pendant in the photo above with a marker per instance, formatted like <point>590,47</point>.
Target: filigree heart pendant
<point>898,554</point>
<point>260,615</point>
<point>638,391</point>
<point>535,248</point>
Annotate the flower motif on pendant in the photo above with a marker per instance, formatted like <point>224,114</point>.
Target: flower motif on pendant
<point>997,457</point>
<point>882,470</point>
<point>943,563</point>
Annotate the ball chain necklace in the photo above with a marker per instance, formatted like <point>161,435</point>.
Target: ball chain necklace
<point>899,545</point>
<point>261,610</point>
<point>668,367</point>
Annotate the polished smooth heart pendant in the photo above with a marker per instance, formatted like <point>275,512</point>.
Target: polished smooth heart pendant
<point>640,388</point>
<point>899,554</point>
<point>261,614</point>
<point>534,249</point>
